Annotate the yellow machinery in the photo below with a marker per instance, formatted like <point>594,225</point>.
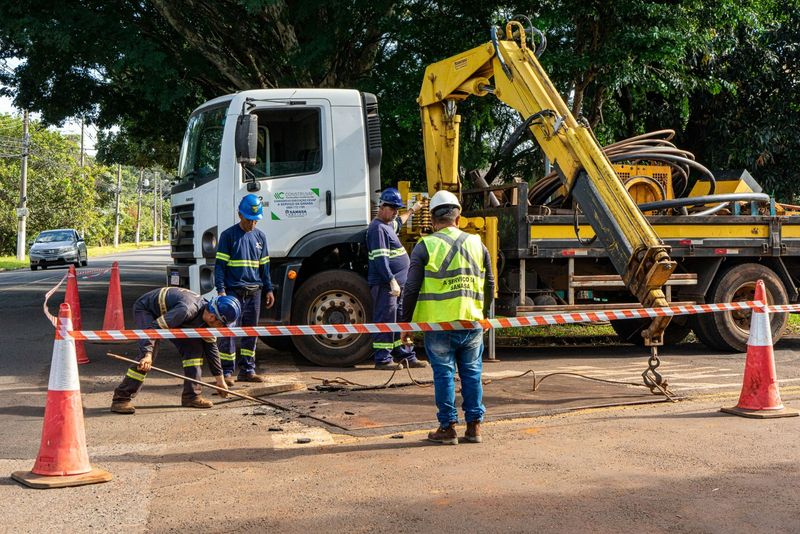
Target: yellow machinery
<point>507,68</point>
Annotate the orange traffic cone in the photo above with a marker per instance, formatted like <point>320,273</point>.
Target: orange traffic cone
<point>114,318</point>
<point>760,397</point>
<point>63,459</point>
<point>74,302</point>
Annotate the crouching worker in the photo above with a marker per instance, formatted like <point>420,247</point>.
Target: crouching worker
<point>173,307</point>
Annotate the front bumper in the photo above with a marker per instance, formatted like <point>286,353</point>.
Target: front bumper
<point>53,259</point>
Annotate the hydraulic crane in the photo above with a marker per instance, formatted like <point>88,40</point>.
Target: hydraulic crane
<point>508,69</point>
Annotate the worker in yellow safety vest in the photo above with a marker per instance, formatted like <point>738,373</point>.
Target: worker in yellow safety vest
<point>450,278</point>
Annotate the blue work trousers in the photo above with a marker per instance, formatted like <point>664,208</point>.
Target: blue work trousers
<point>461,349</point>
<point>385,309</point>
<point>251,311</point>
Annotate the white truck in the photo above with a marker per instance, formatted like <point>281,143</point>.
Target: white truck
<point>318,173</point>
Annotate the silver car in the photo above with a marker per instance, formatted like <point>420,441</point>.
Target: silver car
<point>58,247</point>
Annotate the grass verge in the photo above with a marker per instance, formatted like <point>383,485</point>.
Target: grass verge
<point>8,263</point>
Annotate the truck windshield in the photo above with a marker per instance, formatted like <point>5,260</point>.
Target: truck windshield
<point>202,143</point>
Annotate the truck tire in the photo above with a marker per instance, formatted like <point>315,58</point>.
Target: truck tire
<point>728,331</point>
<point>333,297</point>
<point>630,330</point>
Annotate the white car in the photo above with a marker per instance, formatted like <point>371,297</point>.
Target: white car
<point>58,247</point>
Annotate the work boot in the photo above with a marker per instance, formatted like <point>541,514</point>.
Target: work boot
<point>229,380</point>
<point>473,432</point>
<point>388,366</point>
<point>445,435</point>
<point>123,406</point>
<point>251,377</point>
<point>196,402</point>
<point>417,364</point>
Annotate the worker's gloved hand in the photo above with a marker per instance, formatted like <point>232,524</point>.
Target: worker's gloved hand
<point>221,384</point>
<point>394,288</point>
<point>145,363</point>
<point>416,207</point>
<point>269,299</point>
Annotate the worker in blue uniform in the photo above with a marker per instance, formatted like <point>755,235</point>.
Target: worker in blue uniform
<point>174,307</point>
<point>387,271</point>
<point>242,270</point>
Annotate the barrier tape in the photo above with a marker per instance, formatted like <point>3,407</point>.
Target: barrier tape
<point>88,273</point>
<point>378,328</point>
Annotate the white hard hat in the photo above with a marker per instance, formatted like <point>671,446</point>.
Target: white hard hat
<point>444,198</point>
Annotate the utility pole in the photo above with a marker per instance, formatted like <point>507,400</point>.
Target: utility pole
<point>116,211</point>
<point>161,213</point>
<point>139,204</point>
<point>22,210</point>
<point>82,142</point>
<point>155,209</point>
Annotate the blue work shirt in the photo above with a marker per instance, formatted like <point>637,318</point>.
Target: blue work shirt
<point>386,255</point>
<point>242,260</point>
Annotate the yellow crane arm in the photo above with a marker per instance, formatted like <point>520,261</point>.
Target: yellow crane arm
<point>507,68</point>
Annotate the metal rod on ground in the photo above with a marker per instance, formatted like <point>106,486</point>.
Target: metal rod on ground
<point>212,386</point>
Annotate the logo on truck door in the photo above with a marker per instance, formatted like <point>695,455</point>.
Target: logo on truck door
<point>295,204</point>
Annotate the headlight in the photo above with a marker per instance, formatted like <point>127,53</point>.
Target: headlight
<point>66,249</point>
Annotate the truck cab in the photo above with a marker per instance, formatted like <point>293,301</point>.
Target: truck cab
<point>317,171</point>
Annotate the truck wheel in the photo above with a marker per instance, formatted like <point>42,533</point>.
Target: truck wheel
<point>728,331</point>
<point>630,330</point>
<point>333,297</point>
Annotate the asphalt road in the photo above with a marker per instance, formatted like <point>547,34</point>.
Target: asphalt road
<point>664,467</point>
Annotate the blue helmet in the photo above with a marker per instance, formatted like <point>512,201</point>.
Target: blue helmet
<point>250,207</point>
<point>225,308</point>
<point>391,197</point>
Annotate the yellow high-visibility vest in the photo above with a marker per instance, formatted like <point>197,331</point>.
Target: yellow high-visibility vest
<point>452,288</point>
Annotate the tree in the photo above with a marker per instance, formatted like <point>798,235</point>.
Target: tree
<point>627,66</point>
<point>143,66</point>
<point>751,120</point>
<point>60,193</point>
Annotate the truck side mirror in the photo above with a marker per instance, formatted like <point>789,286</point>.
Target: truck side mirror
<point>246,139</point>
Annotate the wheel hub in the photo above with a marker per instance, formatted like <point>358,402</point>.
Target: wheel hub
<point>336,307</point>
<point>745,292</point>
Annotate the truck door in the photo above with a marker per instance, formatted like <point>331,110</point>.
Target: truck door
<point>296,171</point>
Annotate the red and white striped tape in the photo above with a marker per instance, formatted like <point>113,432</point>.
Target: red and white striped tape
<point>376,328</point>
<point>783,308</point>
<point>86,273</point>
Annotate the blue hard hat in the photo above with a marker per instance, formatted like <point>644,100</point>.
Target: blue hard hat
<point>225,308</point>
<point>391,197</point>
<point>250,207</point>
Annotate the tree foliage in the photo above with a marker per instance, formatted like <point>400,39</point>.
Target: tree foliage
<point>751,121</point>
<point>628,66</point>
<point>62,194</point>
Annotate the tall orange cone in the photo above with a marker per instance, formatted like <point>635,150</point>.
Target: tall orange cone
<point>760,397</point>
<point>114,318</point>
<point>63,459</point>
<point>74,302</point>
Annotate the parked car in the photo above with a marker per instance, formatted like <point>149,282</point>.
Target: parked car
<point>58,247</point>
